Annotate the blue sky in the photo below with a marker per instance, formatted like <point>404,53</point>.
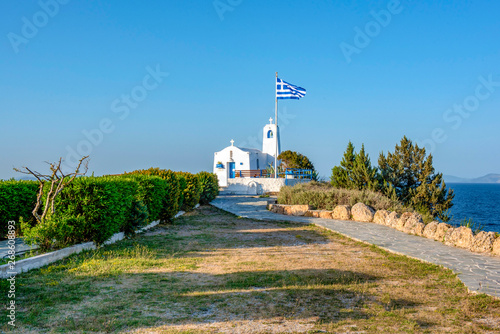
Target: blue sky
<point>429,68</point>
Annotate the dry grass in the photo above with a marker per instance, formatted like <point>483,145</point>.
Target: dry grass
<point>322,196</point>
<point>214,272</point>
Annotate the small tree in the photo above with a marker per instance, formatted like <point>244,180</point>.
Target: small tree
<point>355,171</point>
<point>56,182</point>
<point>292,159</point>
<point>364,176</point>
<point>341,175</point>
<point>409,175</point>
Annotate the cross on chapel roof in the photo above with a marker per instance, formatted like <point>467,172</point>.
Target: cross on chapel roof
<point>270,120</point>
<point>232,142</point>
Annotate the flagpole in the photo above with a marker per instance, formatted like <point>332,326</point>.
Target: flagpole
<point>276,135</point>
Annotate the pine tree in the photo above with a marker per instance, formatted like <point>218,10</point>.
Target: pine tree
<point>355,171</point>
<point>363,175</point>
<point>409,175</point>
<point>341,175</point>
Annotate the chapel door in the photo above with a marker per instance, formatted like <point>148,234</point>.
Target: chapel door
<point>232,169</point>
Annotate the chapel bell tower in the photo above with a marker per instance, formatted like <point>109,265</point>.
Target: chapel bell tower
<point>271,136</point>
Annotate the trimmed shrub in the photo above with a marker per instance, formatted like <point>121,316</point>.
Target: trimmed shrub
<point>323,196</point>
<point>151,192</point>
<point>191,192</point>
<point>88,209</point>
<point>17,200</point>
<point>138,217</point>
<point>182,189</point>
<point>172,199</point>
<point>209,187</point>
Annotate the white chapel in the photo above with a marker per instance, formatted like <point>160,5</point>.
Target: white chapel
<point>238,162</point>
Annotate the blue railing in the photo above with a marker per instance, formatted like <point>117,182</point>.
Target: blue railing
<point>297,173</point>
<point>289,173</point>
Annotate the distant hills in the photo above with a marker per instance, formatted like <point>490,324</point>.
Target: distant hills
<point>489,178</point>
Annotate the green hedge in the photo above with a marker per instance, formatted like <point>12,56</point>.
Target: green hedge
<point>151,192</point>
<point>137,217</point>
<point>191,190</point>
<point>209,187</point>
<point>182,189</point>
<point>95,208</point>
<point>172,199</point>
<point>17,199</point>
<point>88,209</point>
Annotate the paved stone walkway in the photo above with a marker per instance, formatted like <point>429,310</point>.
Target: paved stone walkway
<point>479,273</point>
<point>20,248</point>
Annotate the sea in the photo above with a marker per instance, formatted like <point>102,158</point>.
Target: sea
<point>477,201</point>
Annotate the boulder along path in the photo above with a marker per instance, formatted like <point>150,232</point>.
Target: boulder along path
<point>479,272</point>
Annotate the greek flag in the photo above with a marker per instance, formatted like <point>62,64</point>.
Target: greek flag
<point>285,90</point>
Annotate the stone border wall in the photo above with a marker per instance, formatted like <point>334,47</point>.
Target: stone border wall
<point>408,222</point>
<point>41,260</point>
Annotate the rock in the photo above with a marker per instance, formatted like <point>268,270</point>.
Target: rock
<point>277,208</point>
<point>300,210</point>
<point>325,214</point>
<point>460,237</point>
<point>447,237</point>
<point>430,229</point>
<point>402,220</point>
<point>362,213</point>
<point>496,246</point>
<point>419,229</point>
<point>287,210</point>
<point>466,238</point>
<point>413,224</point>
<point>342,212</point>
<point>441,230</point>
<point>380,217</point>
<point>483,242</point>
<point>392,219</point>
<point>312,213</point>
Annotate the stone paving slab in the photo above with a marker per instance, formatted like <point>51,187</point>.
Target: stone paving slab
<point>479,272</point>
<point>21,247</point>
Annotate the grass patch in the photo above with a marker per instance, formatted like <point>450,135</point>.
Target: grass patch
<point>211,271</point>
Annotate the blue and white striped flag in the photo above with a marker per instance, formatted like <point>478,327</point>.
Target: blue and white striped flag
<point>285,90</point>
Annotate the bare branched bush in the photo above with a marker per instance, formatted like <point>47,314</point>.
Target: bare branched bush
<point>57,180</point>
